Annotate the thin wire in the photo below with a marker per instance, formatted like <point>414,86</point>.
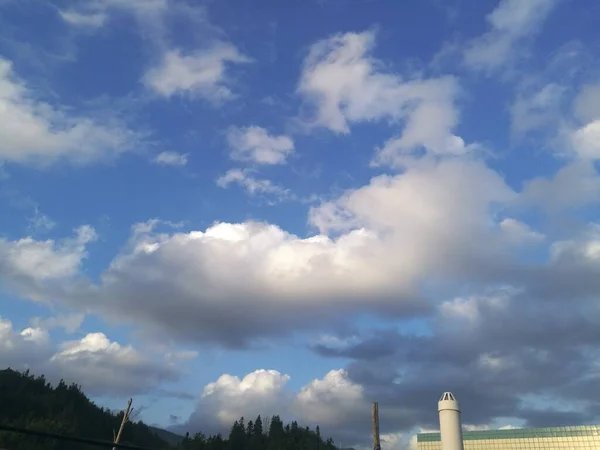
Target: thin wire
<point>65,437</point>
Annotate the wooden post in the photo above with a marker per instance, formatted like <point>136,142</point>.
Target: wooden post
<point>376,443</point>
<point>123,422</point>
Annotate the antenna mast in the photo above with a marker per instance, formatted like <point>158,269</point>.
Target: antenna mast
<point>376,442</point>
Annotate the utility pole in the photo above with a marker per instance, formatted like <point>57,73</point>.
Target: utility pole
<point>376,443</point>
<point>123,422</point>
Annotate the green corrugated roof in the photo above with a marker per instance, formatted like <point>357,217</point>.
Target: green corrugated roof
<point>522,433</point>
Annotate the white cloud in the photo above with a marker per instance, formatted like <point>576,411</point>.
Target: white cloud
<point>345,84</point>
<point>103,365</point>
<point>586,141</point>
<point>413,444</point>
<point>469,309</point>
<point>571,130</point>
<point>540,108</point>
<point>393,441</point>
<point>585,247</point>
<point>17,347</point>
<point>202,73</point>
<point>324,401</point>
<point>36,335</point>
<point>91,19</point>
<point>252,185</point>
<point>100,366</point>
<point>255,144</point>
<point>417,132</point>
<point>95,14</point>
<point>259,392</point>
<point>511,22</point>
<point>94,344</point>
<point>68,322</point>
<point>554,109</point>
<point>587,103</point>
<point>520,232</point>
<point>409,209</point>
<point>40,223</point>
<point>30,260</point>
<point>575,185</point>
<point>171,159</point>
<point>35,132</point>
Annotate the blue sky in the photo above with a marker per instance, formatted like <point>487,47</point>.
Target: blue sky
<point>293,193</point>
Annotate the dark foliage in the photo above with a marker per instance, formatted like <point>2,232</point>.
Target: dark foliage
<point>31,402</point>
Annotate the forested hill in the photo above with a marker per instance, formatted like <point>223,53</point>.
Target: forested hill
<point>32,402</point>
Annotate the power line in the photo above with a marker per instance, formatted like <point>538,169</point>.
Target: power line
<point>64,437</point>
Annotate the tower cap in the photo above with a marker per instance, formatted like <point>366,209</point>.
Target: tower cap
<point>447,396</point>
<point>448,402</point>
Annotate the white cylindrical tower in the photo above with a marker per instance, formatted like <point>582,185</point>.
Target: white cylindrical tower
<point>450,424</point>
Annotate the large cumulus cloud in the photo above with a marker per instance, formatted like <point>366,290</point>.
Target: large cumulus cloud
<point>438,222</point>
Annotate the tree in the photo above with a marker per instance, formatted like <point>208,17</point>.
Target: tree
<point>258,426</point>
<point>237,436</point>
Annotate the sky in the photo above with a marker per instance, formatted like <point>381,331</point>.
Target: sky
<point>226,208</point>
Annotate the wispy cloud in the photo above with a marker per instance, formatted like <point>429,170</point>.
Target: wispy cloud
<point>40,223</point>
<point>37,133</point>
<point>510,23</point>
<point>201,73</point>
<point>95,14</point>
<point>171,159</point>
<point>251,184</point>
<point>91,20</point>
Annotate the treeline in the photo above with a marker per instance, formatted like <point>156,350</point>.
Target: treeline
<point>256,435</point>
<point>31,402</point>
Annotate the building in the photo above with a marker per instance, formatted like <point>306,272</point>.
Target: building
<point>452,437</point>
<point>585,437</point>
